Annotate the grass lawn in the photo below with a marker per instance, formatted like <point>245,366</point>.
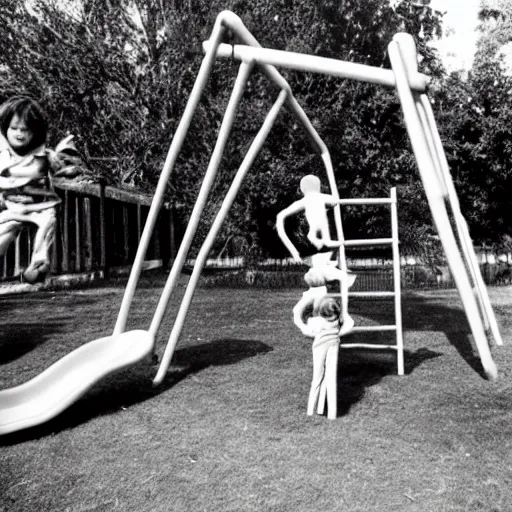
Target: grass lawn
<point>227,430</point>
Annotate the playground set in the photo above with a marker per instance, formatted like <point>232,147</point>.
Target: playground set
<point>49,393</point>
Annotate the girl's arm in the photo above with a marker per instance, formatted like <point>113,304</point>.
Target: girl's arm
<point>32,166</point>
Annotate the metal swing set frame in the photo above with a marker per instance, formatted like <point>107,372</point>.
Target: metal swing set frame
<point>56,388</point>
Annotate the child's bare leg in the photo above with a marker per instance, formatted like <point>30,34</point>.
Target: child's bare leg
<point>324,240</point>
<point>45,236</point>
<point>319,353</point>
<point>315,239</point>
<point>8,232</point>
<point>331,380</point>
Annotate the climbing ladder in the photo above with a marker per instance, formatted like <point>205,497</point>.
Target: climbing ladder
<point>395,294</point>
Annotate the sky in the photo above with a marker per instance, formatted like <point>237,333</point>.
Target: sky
<point>457,49</point>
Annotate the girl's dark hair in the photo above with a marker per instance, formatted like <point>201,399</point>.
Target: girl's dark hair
<point>28,111</point>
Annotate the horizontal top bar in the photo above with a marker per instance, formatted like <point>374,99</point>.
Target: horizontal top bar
<point>304,62</point>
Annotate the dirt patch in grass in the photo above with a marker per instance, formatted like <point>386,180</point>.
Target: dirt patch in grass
<point>227,430</point>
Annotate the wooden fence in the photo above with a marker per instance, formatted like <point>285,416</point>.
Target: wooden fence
<point>99,228</point>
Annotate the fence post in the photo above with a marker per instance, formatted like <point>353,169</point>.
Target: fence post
<point>126,234</point>
<point>88,233</point>
<point>54,258</point>
<point>139,222</point>
<point>172,235</point>
<point>78,235</point>
<point>156,237</point>
<point>17,266</point>
<point>65,233</point>
<point>103,245</point>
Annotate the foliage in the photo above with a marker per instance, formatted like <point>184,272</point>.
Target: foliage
<point>475,117</point>
<point>118,74</point>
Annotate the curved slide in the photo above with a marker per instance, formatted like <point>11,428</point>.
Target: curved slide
<point>50,392</point>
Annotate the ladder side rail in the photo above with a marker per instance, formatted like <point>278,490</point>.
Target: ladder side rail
<point>396,282</point>
<point>342,260</point>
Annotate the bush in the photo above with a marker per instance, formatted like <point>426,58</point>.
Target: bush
<point>256,279</point>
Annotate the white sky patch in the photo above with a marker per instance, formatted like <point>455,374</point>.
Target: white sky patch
<point>458,45</point>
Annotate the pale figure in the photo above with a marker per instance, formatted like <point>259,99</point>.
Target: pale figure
<point>323,325</point>
<point>326,324</point>
<point>324,270</point>
<point>314,204</point>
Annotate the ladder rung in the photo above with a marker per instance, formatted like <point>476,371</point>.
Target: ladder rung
<point>367,200</point>
<point>371,294</point>
<point>366,328</point>
<point>368,345</point>
<point>369,241</point>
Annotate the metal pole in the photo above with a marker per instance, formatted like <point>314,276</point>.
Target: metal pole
<point>224,131</point>
<point>462,227</point>
<point>434,192</point>
<point>396,283</point>
<point>217,223</point>
<point>315,64</point>
<point>172,155</point>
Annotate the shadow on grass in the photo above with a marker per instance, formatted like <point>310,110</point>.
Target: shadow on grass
<point>16,340</point>
<point>20,338</point>
<point>431,313</point>
<point>134,385</point>
<point>422,313</point>
<point>359,369</point>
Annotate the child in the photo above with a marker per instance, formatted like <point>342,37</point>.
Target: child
<point>314,204</point>
<point>26,192</point>
<point>324,326</point>
<point>320,316</point>
<point>323,270</point>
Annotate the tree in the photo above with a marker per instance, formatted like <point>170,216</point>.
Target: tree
<point>118,74</point>
<point>476,123</point>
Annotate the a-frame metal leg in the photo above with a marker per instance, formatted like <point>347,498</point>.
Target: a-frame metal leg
<point>212,234</point>
<point>172,155</point>
<point>467,248</point>
<point>435,191</point>
<point>211,171</point>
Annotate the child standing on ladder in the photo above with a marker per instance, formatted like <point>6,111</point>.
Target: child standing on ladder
<point>26,192</point>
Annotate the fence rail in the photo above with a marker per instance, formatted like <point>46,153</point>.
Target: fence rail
<point>372,273</point>
<point>98,228</point>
